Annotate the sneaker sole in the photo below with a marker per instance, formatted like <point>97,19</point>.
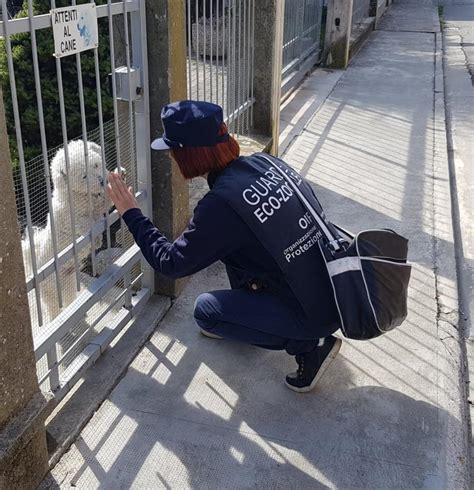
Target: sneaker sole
<point>332,354</point>
<point>210,335</point>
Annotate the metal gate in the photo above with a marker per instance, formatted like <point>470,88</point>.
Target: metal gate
<point>301,40</point>
<point>85,276</point>
<point>360,11</point>
<point>220,58</point>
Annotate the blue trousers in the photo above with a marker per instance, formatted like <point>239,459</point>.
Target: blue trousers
<point>253,317</point>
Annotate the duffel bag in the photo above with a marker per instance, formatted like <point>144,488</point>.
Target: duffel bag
<point>369,272</point>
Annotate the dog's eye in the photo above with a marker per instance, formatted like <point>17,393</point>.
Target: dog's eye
<point>84,176</point>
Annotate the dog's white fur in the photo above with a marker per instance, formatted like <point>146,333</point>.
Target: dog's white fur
<point>86,211</point>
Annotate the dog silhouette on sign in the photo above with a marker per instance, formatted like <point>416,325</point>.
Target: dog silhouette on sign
<point>84,31</point>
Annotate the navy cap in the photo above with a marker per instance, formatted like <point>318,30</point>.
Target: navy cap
<point>190,123</point>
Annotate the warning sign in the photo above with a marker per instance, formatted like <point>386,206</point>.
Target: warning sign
<point>74,29</point>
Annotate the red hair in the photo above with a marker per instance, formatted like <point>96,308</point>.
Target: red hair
<point>200,160</point>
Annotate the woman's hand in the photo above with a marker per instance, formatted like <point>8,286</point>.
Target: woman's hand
<point>121,195</point>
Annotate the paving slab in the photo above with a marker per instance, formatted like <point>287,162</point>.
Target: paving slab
<point>193,412</point>
<point>301,106</point>
<point>411,16</point>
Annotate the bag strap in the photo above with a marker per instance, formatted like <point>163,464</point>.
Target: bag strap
<point>332,239</point>
<point>344,231</point>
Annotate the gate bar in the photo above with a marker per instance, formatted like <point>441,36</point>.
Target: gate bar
<point>234,64</point>
<point>252,64</point>
<point>130,93</point>
<point>229,67</point>
<point>102,142</point>
<point>118,139</point>
<point>204,48</point>
<point>217,49</point>
<point>114,86</point>
<point>240,66</point>
<point>52,355</point>
<point>83,241</point>
<point>197,49</point>
<point>245,94</point>
<point>116,300</point>
<point>43,21</point>
<point>60,326</point>
<point>86,151</point>
<point>212,48</point>
<point>95,348</point>
<point>223,61</point>
<point>44,149</point>
<point>130,113</point>
<point>142,127</point>
<point>62,110</point>
<point>190,36</point>
<point>246,62</point>
<point>21,158</point>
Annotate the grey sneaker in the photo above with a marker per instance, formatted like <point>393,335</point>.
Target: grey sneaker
<point>312,365</point>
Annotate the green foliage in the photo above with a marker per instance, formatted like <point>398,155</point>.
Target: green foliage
<point>25,85</point>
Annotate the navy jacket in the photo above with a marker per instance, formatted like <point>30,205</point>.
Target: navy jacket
<point>216,232</point>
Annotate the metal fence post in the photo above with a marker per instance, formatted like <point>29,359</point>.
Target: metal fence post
<point>379,9</point>
<point>166,31</point>
<point>23,453</point>
<point>338,33</point>
<point>268,42</point>
<point>301,41</point>
<point>142,122</point>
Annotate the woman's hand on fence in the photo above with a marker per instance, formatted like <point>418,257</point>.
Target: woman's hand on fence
<point>121,195</point>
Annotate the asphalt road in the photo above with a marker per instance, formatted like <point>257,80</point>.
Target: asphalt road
<point>459,83</point>
<point>459,79</point>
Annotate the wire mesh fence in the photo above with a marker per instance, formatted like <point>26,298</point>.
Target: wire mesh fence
<point>301,39</point>
<point>220,57</point>
<point>66,131</point>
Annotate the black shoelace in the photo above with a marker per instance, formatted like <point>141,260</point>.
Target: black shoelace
<point>300,361</point>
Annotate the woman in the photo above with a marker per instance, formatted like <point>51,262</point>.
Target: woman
<point>252,221</point>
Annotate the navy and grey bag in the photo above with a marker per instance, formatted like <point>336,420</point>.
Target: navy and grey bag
<point>368,272</point>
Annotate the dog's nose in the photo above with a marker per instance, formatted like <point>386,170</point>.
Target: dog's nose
<point>101,181</point>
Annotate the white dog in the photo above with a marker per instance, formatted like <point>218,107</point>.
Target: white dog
<point>88,204</point>
<point>80,189</point>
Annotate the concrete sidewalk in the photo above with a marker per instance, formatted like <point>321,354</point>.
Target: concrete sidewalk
<point>193,412</point>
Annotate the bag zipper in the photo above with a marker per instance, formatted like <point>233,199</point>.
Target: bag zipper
<point>374,259</point>
<point>356,239</point>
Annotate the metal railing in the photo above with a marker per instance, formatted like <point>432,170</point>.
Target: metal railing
<point>85,276</point>
<point>360,11</point>
<point>301,40</point>
<point>220,60</point>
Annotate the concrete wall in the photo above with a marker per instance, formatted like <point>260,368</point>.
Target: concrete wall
<point>267,68</point>
<point>360,10</point>
<point>338,31</point>
<point>347,29</point>
<point>166,24</point>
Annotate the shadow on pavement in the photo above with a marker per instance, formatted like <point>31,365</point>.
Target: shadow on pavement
<point>199,413</point>
<point>181,419</point>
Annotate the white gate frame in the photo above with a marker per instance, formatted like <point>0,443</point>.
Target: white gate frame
<point>45,342</point>
<point>302,61</point>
